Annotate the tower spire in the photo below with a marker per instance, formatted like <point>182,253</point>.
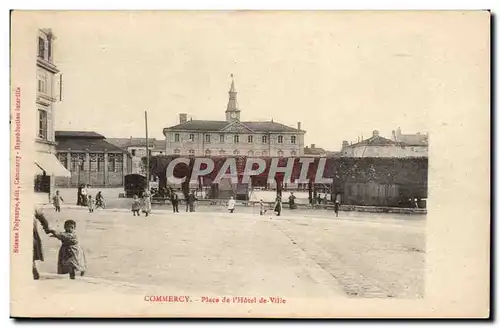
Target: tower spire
<point>232,110</point>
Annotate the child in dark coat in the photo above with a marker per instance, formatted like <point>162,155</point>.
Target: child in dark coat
<point>136,206</point>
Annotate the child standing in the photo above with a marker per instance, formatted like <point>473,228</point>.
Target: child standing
<point>136,206</point>
<point>71,256</point>
<point>56,200</point>
<point>262,209</point>
<point>91,204</point>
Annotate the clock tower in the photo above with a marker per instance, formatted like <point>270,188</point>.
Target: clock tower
<point>232,111</point>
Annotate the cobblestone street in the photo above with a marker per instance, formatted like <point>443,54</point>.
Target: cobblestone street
<point>358,255</point>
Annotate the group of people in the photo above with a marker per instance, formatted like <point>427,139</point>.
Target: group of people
<point>143,204</point>
<point>71,257</point>
<point>84,198</point>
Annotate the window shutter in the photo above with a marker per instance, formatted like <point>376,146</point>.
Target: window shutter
<point>50,126</point>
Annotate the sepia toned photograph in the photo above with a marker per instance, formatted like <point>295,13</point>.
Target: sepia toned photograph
<point>249,164</point>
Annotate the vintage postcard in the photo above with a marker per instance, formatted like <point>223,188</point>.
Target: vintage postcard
<point>250,164</point>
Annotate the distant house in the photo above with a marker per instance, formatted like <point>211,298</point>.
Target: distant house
<point>136,147</point>
<point>417,142</point>
<point>378,146</point>
<point>313,151</point>
<point>91,159</point>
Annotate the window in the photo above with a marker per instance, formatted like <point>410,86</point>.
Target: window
<point>150,152</point>
<point>236,152</point>
<point>293,139</point>
<point>111,162</point>
<point>280,153</point>
<point>41,47</point>
<point>222,152</point>
<point>293,153</point>
<point>191,152</point>
<point>207,138</point>
<point>191,137</point>
<point>118,163</point>
<point>100,162</point>
<point>77,161</point>
<point>63,158</point>
<point>42,84</point>
<point>42,124</point>
<point>133,152</point>
<point>221,138</point>
<point>264,139</point>
<point>93,162</point>
<point>176,137</point>
<point>250,139</point>
<point>208,152</point>
<point>280,139</point>
<point>250,153</point>
<point>264,153</point>
<point>177,151</point>
<point>236,138</point>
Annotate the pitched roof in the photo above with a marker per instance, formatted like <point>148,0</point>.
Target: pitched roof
<point>414,139</point>
<point>257,126</point>
<point>375,141</point>
<point>78,134</point>
<point>82,144</point>
<point>132,142</point>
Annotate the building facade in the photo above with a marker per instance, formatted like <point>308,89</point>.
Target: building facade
<point>377,146</point>
<point>48,94</point>
<point>418,142</point>
<point>233,137</point>
<point>91,160</point>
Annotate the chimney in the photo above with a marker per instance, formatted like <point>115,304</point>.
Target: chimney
<point>182,118</point>
<point>313,146</point>
<point>298,126</point>
<point>375,133</point>
<point>345,144</point>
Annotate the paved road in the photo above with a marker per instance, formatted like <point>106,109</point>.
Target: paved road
<point>308,254</point>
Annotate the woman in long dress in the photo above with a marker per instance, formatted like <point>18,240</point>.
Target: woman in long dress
<point>147,202</point>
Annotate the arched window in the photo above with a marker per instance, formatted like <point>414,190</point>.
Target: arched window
<point>280,153</point>
<point>293,153</point>
<point>264,153</point>
<point>236,152</point>
<point>250,153</point>
<point>222,152</point>
<point>208,152</point>
<point>177,151</point>
<point>191,152</point>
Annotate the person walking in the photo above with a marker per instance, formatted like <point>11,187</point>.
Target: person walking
<point>277,206</point>
<point>231,204</point>
<point>191,199</point>
<point>262,207</point>
<point>291,201</point>
<point>174,199</point>
<point>146,197</point>
<point>336,208</point>
<point>56,201</point>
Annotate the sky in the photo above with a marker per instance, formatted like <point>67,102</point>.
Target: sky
<point>342,75</point>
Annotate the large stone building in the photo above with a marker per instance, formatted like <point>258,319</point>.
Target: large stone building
<point>48,94</point>
<point>91,160</point>
<point>232,136</point>
<point>377,146</point>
